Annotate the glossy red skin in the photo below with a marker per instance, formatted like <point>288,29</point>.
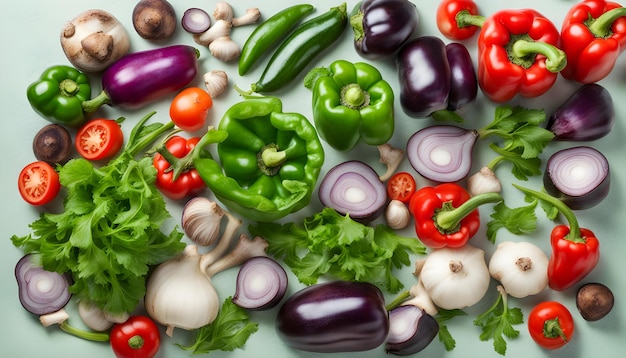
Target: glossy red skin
<point>401,186</point>
<point>335,316</point>
<point>546,311</point>
<point>498,77</point>
<point>427,201</point>
<point>189,182</point>
<point>46,178</point>
<point>446,19</point>
<point>590,58</point>
<point>135,326</point>
<point>571,261</point>
<point>190,107</point>
<point>109,136</point>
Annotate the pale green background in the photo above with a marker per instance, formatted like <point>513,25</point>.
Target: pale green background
<point>31,43</point>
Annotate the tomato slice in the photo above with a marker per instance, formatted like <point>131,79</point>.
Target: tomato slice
<point>99,139</point>
<point>401,186</point>
<point>38,183</point>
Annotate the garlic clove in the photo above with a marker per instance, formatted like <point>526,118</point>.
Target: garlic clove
<point>201,220</point>
<point>397,215</point>
<point>224,49</point>
<point>216,82</point>
<point>485,181</point>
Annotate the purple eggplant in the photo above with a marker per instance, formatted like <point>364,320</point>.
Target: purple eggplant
<point>336,316</point>
<point>381,27</point>
<point>142,77</point>
<point>411,330</point>
<point>464,87</point>
<point>588,114</point>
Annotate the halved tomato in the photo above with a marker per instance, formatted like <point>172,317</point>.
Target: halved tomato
<point>38,183</point>
<point>99,139</point>
<point>401,186</point>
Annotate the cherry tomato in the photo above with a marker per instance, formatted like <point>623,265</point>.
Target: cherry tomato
<point>550,324</point>
<point>190,108</point>
<point>401,186</point>
<point>38,183</point>
<point>99,139</point>
<point>446,18</point>
<point>138,337</point>
<point>189,181</point>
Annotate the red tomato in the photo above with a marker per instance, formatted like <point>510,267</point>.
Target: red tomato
<point>189,181</point>
<point>190,107</point>
<point>550,324</point>
<point>99,139</point>
<point>446,18</point>
<point>401,186</point>
<point>138,337</point>
<point>38,183</point>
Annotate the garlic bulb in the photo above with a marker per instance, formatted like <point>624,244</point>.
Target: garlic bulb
<point>397,215</point>
<point>485,181</point>
<point>224,48</point>
<point>93,316</point>
<point>455,277</point>
<point>216,82</point>
<point>521,268</point>
<point>201,220</point>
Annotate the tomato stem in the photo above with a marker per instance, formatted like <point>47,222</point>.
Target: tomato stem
<point>136,342</point>
<point>552,329</point>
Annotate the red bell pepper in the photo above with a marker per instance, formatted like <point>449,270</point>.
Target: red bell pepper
<point>518,54</point>
<point>593,35</point>
<point>575,250</point>
<point>176,176</point>
<point>447,215</point>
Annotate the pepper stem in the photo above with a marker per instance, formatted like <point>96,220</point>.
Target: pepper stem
<point>89,336</point>
<point>465,19</point>
<point>601,26</point>
<point>353,97</point>
<point>68,87</point>
<point>448,218</point>
<point>552,329</point>
<point>574,234</point>
<point>270,158</point>
<point>522,48</point>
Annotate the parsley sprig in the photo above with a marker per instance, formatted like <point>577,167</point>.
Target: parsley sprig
<point>497,322</point>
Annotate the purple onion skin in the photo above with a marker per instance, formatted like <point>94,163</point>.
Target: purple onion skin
<point>387,26</point>
<point>426,329</point>
<point>588,114</point>
<point>336,316</point>
<point>424,75</point>
<point>578,202</point>
<point>25,270</point>
<point>142,77</point>
<point>464,87</point>
<point>239,298</point>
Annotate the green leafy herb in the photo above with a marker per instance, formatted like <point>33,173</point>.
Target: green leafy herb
<point>549,209</point>
<point>518,221</point>
<point>444,334</point>
<point>497,322</point>
<point>109,233</point>
<point>230,330</point>
<point>329,243</point>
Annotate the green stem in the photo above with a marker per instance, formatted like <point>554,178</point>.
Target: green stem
<point>465,19</point>
<point>495,161</point>
<point>90,336</point>
<point>574,228</point>
<point>555,57</point>
<point>93,104</point>
<point>601,26</point>
<point>352,96</point>
<point>398,300</point>
<point>136,342</point>
<point>136,143</point>
<point>68,87</point>
<point>552,329</point>
<point>448,218</point>
<point>356,21</point>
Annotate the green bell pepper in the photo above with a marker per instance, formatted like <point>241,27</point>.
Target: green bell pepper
<point>269,162</point>
<point>351,101</point>
<point>58,95</point>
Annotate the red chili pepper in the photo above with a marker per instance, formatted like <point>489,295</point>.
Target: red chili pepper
<point>176,176</point>
<point>518,54</point>
<point>593,35</point>
<point>447,215</point>
<point>575,250</point>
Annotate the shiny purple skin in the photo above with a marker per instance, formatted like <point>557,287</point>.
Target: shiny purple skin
<point>588,114</point>
<point>142,77</point>
<point>464,87</point>
<point>414,331</point>
<point>424,76</point>
<point>336,316</point>
<point>381,27</point>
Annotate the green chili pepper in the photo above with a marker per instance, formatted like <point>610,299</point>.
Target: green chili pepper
<point>351,101</point>
<point>268,33</point>
<point>298,50</point>
<point>58,95</point>
<point>269,162</point>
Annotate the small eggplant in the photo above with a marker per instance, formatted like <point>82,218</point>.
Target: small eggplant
<point>434,76</point>
<point>381,27</point>
<point>411,330</point>
<point>588,114</point>
<point>142,77</point>
<point>336,316</point>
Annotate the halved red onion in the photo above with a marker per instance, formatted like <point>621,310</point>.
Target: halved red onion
<point>353,188</point>
<point>442,153</point>
<point>411,330</point>
<point>195,20</point>
<point>261,284</point>
<point>40,291</point>
<point>579,176</point>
